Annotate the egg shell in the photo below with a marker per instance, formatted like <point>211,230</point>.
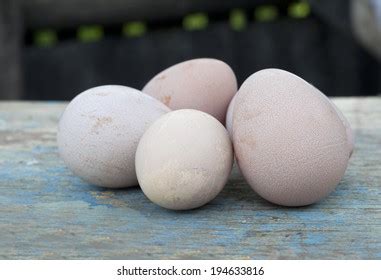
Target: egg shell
<point>229,118</point>
<point>99,132</point>
<point>289,142</point>
<point>184,159</point>
<point>348,129</point>
<point>203,84</point>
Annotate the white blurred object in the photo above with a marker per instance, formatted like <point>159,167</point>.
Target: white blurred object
<point>366,23</point>
<point>377,11</point>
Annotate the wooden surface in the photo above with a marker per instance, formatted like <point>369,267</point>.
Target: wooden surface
<point>47,213</point>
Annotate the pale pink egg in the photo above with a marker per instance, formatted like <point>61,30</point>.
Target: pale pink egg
<point>289,141</point>
<point>203,84</point>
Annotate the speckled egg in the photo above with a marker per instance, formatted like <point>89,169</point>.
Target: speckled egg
<point>290,143</point>
<point>99,132</point>
<point>203,84</point>
<point>348,129</point>
<point>184,159</point>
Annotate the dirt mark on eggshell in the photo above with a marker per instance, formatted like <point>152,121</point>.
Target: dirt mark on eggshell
<point>161,77</point>
<point>100,122</point>
<point>166,99</point>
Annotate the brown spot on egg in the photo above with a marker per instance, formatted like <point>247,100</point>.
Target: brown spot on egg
<point>100,122</point>
<point>166,99</point>
<point>161,77</point>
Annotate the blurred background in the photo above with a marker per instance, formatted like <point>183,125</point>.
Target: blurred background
<point>54,49</point>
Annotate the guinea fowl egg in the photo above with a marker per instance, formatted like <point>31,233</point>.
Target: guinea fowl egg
<point>99,132</point>
<point>184,159</point>
<point>203,84</point>
<point>290,143</point>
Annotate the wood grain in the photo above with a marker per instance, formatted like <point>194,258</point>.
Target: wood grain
<point>47,213</point>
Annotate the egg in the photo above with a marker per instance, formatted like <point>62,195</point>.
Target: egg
<point>290,143</point>
<point>348,128</point>
<point>99,131</point>
<point>229,117</point>
<point>203,84</point>
<point>184,159</point>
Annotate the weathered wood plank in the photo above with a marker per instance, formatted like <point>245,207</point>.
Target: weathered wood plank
<point>10,50</point>
<point>69,13</point>
<point>47,213</point>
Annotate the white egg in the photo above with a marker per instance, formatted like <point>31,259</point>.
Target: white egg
<point>184,159</point>
<point>99,132</point>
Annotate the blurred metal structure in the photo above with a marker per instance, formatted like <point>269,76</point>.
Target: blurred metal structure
<point>10,50</point>
<point>70,13</point>
<point>321,47</point>
<point>362,18</point>
<point>336,13</point>
<point>366,19</point>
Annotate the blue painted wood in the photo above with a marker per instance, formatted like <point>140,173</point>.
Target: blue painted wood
<point>47,213</point>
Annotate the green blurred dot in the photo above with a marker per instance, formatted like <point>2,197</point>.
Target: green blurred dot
<point>134,29</point>
<point>299,10</point>
<point>195,21</point>
<point>266,13</point>
<point>91,33</point>
<point>45,38</point>
<point>238,20</point>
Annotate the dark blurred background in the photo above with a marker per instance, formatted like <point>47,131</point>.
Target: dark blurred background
<point>54,49</point>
